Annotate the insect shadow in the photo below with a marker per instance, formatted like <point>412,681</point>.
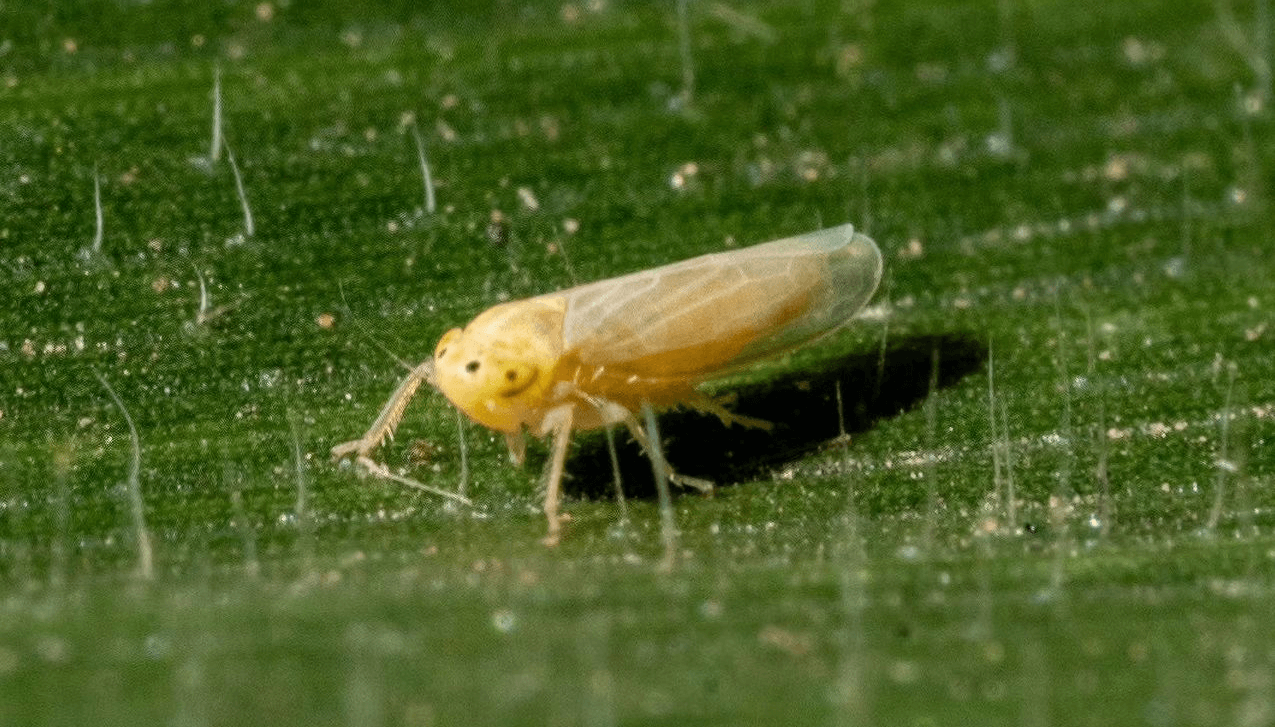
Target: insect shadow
<point>802,406</point>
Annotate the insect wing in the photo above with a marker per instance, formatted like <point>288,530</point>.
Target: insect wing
<point>717,312</point>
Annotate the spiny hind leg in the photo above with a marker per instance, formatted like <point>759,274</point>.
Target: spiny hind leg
<point>360,450</point>
<point>611,412</point>
<point>655,450</point>
<point>717,407</point>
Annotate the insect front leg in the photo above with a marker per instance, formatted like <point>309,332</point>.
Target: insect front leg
<point>560,422</point>
<point>517,444</point>
<point>361,449</point>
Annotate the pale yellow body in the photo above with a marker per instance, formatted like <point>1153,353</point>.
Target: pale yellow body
<point>593,355</point>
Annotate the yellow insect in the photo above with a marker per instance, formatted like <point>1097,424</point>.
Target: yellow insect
<point>593,355</point>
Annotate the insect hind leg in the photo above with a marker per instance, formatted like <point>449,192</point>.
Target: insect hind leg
<point>611,412</point>
<point>655,451</point>
<point>717,408</point>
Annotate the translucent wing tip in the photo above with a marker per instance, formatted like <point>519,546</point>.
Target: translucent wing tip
<point>853,249</point>
<point>865,248</point>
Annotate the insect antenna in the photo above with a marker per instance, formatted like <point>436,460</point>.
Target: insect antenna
<point>561,245</point>
<point>367,335</point>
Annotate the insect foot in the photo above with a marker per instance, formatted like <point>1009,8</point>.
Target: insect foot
<point>696,483</point>
<point>358,451</point>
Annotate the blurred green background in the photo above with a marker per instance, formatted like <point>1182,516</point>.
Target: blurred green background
<point>1054,503</point>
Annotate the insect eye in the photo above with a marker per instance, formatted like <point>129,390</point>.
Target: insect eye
<point>518,377</point>
<point>444,343</point>
<point>472,366</point>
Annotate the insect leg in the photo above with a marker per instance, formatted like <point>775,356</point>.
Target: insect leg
<point>615,475</point>
<point>389,417</point>
<point>613,412</point>
<point>517,443</point>
<point>668,526</point>
<point>562,423</point>
<point>360,450</point>
<point>717,408</point>
<point>654,451</point>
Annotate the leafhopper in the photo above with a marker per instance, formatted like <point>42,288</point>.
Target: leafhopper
<point>592,356</point>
